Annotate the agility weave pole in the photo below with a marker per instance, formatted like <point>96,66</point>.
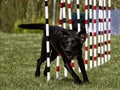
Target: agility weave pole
<point>58,56</point>
<point>91,32</point>
<point>78,21</point>
<point>94,28</point>
<point>47,40</point>
<point>109,28</point>
<point>105,30</point>
<point>70,27</point>
<point>97,44</point>
<point>86,42</point>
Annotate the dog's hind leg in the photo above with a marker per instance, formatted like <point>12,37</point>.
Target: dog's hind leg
<point>42,58</point>
<point>39,62</point>
<point>52,58</point>
<point>82,67</point>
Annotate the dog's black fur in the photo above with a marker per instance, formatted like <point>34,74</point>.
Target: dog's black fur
<point>65,42</point>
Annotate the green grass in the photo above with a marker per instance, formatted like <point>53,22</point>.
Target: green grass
<point>18,55</point>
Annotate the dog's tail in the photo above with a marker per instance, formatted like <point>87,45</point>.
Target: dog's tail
<point>32,26</point>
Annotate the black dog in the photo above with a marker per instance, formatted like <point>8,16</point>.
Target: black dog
<point>65,42</point>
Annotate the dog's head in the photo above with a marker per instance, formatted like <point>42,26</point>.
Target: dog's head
<point>72,43</point>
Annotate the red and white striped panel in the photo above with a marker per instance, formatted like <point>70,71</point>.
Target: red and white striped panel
<point>86,42</point>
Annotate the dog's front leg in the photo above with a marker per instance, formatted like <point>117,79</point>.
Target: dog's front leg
<point>69,68</point>
<point>82,67</point>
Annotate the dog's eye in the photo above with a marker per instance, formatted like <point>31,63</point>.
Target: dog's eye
<point>67,42</point>
<point>64,37</point>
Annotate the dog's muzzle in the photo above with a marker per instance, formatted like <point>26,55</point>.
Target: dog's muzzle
<point>69,54</point>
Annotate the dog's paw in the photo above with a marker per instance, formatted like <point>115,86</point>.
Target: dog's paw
<point>37,74</point>
<point>86,81</point>
<point>78,82</point>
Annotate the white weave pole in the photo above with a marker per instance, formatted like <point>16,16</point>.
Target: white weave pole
<point>94,28</point>
<point>54,12</point>
<point>47,40</point>
<point>109,28</point>
<point>105,32</point>
<point>99,34</point>
<point>90,29</point>
<point>86,27</point>
<point>78,15</point>
<point>64,26</point>
<point>58,56</point>
<point>70,27</point>
<point>102,37</point>
<point>78,20</point>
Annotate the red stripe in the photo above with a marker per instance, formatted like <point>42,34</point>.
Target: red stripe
<point>95,20</point>
<point>58,54</point>
<point>101,7</point>
<point>86,61</point>
<point>57,68</point>
<point>95,58</point>
<point>95,34</point>
<point>86,48</point>
<point>86,21</point>
<point>73,64</point>
<point>109,20</point>
<point>86,6</point>
<point>109,41</point>
<point>95,46</point>
<point>102,32</point>
<point>61,5</point>
<point>101,20</point>
<point>109,8</point>
<point>60,22</point>
<point>102,55</point>
<point>94,7</point>
<point>86,35</point>
<point>109,31</point>
<point>69,5</point>
<point>109,52</point>
<point>70,21</point>
<point>102,44</point>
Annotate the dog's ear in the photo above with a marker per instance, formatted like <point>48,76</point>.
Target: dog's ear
<point>82,35</point>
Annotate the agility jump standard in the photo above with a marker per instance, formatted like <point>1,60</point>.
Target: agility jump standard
<point>97,44</point>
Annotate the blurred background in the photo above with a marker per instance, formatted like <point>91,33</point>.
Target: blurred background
<point>14,12</point>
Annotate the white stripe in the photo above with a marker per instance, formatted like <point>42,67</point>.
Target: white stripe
<point>57,75</point>
<point>46,12</point>
<point>86,66</point>
<point>95,63</point>
<point>47,29</point>
<point>48,46</point>
<point>90,64</point>
<point>65,72</point>
<point>48,65</point>
<point>58,61</point>
<point>48,76</point>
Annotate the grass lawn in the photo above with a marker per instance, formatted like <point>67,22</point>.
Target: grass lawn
<point>18,55</point>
